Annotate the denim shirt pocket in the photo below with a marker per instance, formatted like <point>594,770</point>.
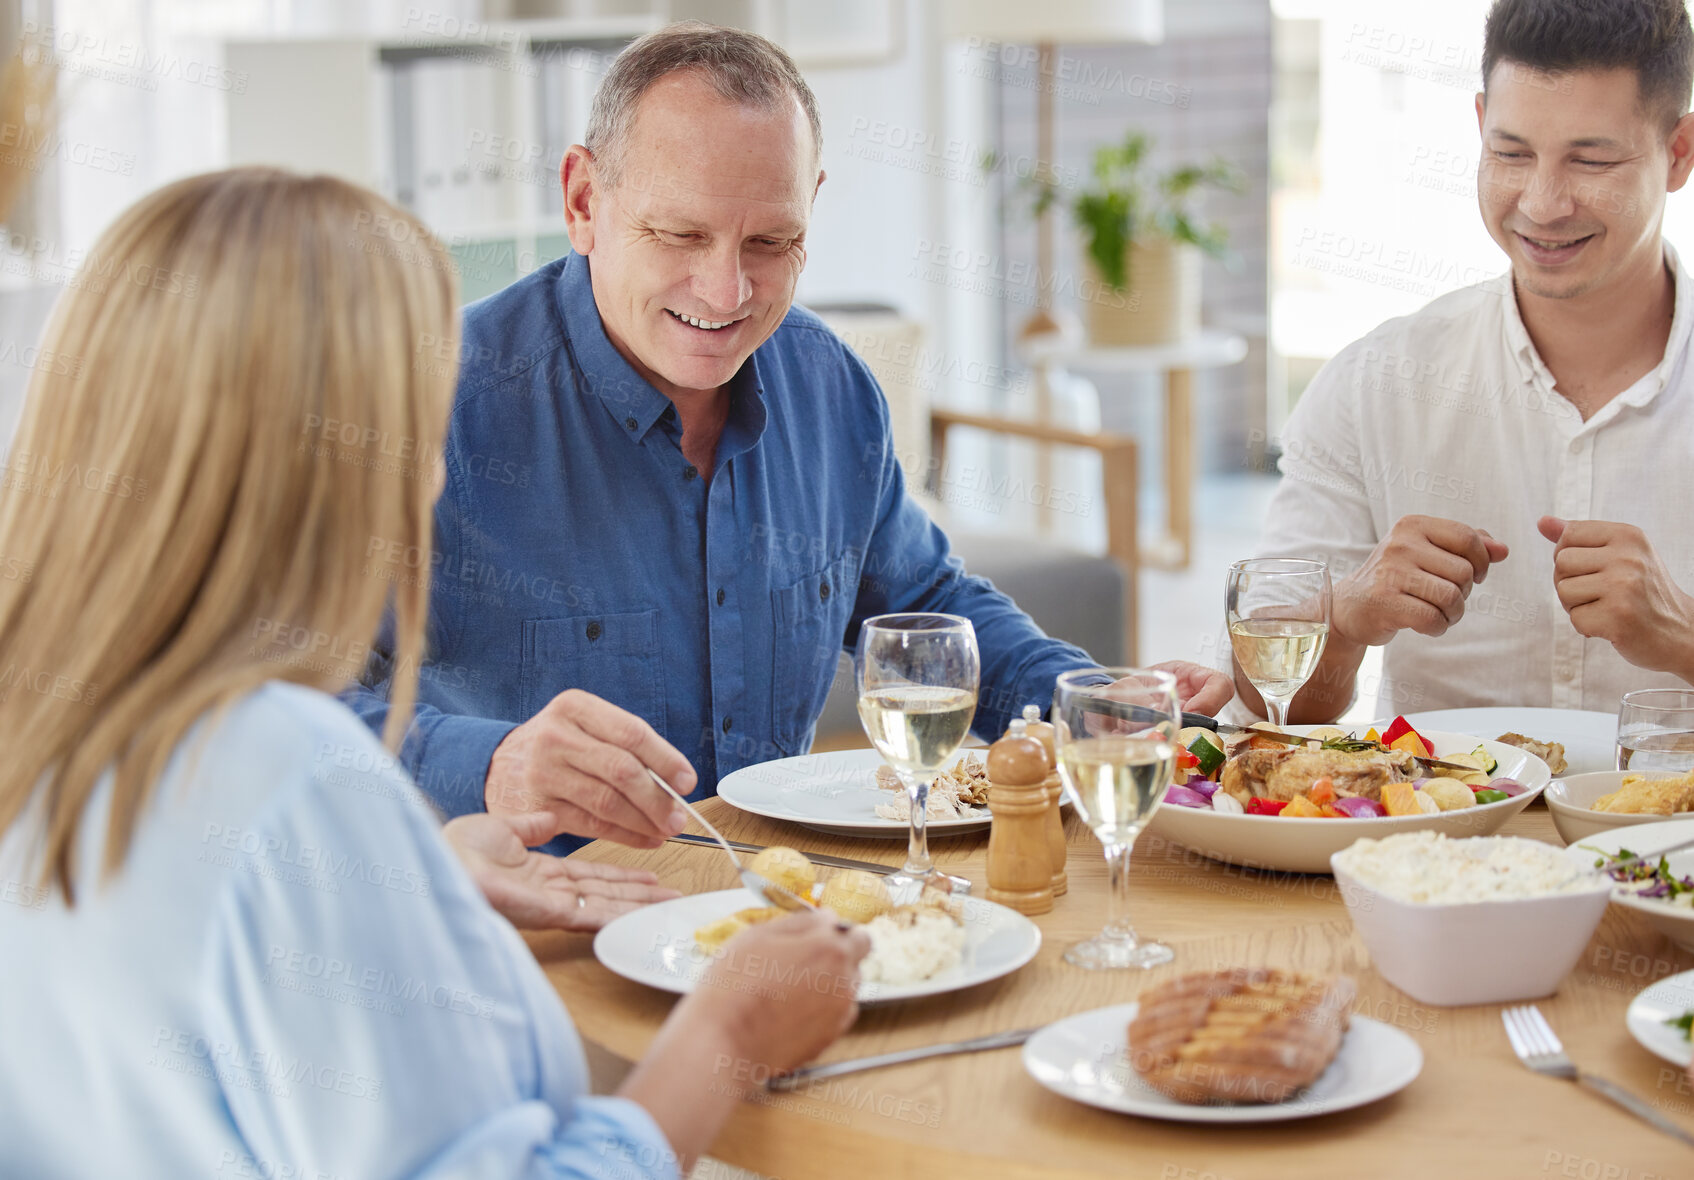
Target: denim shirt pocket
<point>615,656</point>
<point>809,619</point>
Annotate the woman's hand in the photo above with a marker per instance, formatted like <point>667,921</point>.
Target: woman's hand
<point>775,999</point>
<point>784,990</point>
<point>536,891</point>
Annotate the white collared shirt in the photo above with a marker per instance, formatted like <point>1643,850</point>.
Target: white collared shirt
<point>1450,412</point>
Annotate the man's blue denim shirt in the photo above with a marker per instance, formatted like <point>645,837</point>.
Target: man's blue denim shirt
<point>576,547</point>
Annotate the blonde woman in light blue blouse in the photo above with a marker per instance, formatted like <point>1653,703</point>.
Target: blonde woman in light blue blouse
<point>233,940</point>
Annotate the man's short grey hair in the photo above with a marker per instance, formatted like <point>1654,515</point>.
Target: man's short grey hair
<point>743,67</point>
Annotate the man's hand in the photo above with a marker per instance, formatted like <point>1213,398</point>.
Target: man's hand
<point>1615,587</point>
<point>584,761</point>
<point>1417,578</point>
<point>536,891</point>
<point>1199,689</point>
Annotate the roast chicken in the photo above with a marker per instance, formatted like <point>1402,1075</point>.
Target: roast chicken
<point>1287,771</point>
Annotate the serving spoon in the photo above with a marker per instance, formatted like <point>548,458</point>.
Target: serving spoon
<point>768,891</point>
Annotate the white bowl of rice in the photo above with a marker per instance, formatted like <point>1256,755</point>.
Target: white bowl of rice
<point>1483,920</point>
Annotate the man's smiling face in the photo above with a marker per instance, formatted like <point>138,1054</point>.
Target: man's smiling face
<point>1573,177</point>
<point>696,251</point>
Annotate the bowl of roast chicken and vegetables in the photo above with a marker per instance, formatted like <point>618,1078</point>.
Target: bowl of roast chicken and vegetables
<point>1286,800</point>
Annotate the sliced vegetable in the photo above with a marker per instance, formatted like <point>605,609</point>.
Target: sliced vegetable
<point>1400,728</point>
<point>1226,803</point>
<point>1400,799</point>
<point>1258,805</point>
<point>1486,796</point>
<point>1205,786</point>
<point>1302,807</point>
<point>1653,881</point>
<point>1509,785</point>
<point>1210,754</point>
<point>1322,791</point>
<point>1358,807</point>
<point>1183,797</point>
<point>1486,760</point>
<point>1450,794</point>
<point>1411,743</point>
<point>1427,805</point>
<point>1372,736</point>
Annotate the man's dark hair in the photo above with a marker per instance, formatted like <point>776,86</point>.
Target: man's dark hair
<point>1651,37</point>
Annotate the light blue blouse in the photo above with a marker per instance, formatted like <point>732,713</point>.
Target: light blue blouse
<point>292,978</point>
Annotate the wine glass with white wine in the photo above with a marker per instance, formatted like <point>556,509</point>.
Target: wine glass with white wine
<point>917,677</point>
<point>1114,731</point>
<point>1278,614</point>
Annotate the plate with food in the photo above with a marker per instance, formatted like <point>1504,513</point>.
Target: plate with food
<point>1583,804</point>
<point>921,945</point>
<point>1237,1046</point>
<point>1569,741</point>
<point>1661,1016</point>
<point>855,793</point>
<point>1661,891</point>
<point>1253,800</point>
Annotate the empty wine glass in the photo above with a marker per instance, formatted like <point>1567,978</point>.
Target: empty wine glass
<point>1278,614</point>
<point>917,677</point>
<point>1115,736</point>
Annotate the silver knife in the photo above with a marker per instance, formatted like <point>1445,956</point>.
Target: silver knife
<point>834,862</point>
<point>999,1040</point>
<point>1632,1104</point>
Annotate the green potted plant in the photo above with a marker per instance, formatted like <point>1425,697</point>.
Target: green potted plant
<point>1143,239</point>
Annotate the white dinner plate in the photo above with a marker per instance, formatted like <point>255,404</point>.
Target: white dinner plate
<point>834,793</point>
<point>1305,845</point>
<point>1665,1000</point>
<point>655,945</point>
<point>1675,922</point>
<point>1590,739</point>
<point>1085,1058</point>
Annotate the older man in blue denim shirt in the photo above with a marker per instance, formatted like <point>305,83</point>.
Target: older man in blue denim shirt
<point>668,486</point>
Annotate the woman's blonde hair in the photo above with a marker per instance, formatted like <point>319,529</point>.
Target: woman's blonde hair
<point>225,468</point>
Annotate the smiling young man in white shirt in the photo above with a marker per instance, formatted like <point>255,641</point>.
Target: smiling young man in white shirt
<point>1502,481</point>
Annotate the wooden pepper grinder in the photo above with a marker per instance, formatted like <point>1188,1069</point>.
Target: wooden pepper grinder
<point>1042,732</point>
<point>1019,874</point>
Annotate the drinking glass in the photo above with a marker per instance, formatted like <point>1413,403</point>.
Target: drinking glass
<point>1278,614</point>
<point>917,679</point>
<point>1115,736</point>
<point>1656,730</point>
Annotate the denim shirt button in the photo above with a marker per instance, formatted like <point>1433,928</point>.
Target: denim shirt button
<point>593,631</point>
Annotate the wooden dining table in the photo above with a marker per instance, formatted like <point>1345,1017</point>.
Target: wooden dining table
<point>1473,1111</point>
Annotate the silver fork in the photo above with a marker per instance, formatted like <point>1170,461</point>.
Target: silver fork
<point>1536,1045</point>
<point>768,891</point>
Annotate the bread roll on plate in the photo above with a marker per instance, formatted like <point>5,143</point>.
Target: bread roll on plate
<point>1242,1035</point>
